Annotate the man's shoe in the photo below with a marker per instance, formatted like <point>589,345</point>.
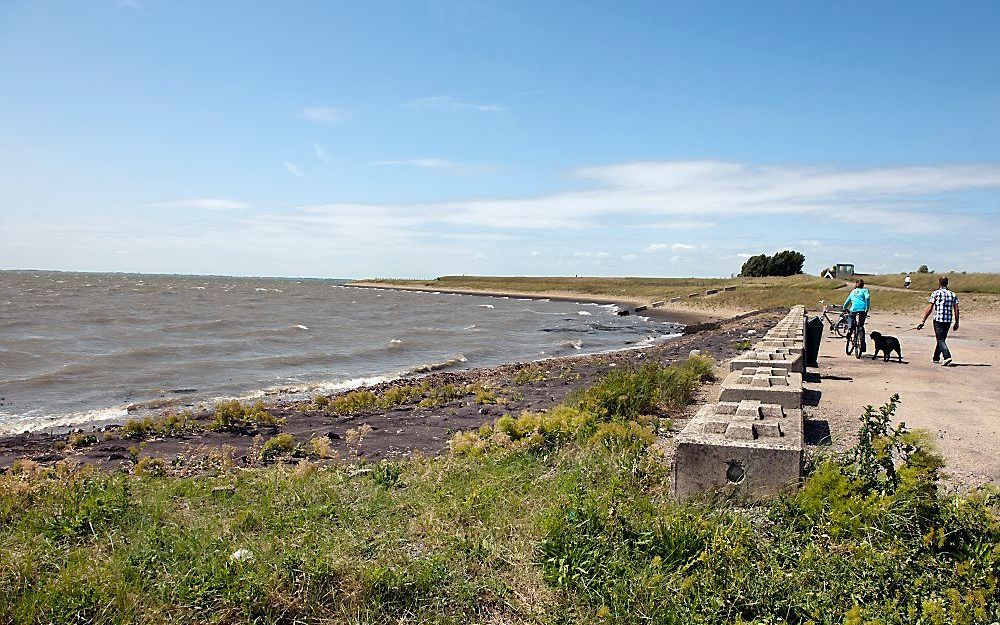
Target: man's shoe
<point>946,362</point>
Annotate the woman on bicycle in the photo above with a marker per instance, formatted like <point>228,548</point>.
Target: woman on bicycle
<point>857,304</point>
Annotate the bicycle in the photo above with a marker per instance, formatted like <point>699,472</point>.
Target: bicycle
<point>840,325</point>
<point>855,340</point>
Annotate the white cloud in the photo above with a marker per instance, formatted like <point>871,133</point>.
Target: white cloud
<point>677,247</point>
<point>321,152</point>
<point>203,203</point>
<point>324,114</point>
<point>451,103</point>
<point>293,169</point>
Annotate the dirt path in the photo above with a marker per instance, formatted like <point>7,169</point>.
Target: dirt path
<point>959,404</point>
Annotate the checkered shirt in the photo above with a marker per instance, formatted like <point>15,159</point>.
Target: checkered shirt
<point>944,305</point>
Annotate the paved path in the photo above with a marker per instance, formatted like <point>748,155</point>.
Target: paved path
<point>959,404</point>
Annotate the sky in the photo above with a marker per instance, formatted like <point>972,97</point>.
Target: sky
<point>430,137</point>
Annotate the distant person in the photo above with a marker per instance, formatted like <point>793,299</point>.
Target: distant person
<point>907,281</point>
<point>857,304</point>
<point>944,305</point>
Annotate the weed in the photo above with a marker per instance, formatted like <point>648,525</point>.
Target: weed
<point>81,440</point>
<point>167,425</point>
<point>529,374</point>
<point>320,447</point>
<point>355,438</point>
<point>743,345</point>
<point>236,416</point>
<point>276,446</point>
<point>152,467</point>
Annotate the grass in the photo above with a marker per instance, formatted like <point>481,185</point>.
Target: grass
<point>750,293</point>
<point>958,282</point>
<point>562,517</point>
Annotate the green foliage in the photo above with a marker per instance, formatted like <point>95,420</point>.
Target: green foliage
<point>168,424</point>
<point>236,416</point>
<point>629,392</point>
<point>923,269</point>
<point>529,374</point>
<point>81,440</point>
<point>440,395</point>
<point>743,345</point>
<point>484,394</point>
<point>277,446</point>
<point>785,263</point>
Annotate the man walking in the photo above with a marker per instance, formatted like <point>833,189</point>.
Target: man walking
<point>944,305</point>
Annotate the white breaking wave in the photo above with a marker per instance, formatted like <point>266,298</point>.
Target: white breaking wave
<point>584,313</point>
<point>301,327</point>
<point>486,306</point>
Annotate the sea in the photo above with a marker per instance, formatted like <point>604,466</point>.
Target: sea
<point>79,349</point>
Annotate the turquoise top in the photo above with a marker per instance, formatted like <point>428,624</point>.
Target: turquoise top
<point>858,301</point>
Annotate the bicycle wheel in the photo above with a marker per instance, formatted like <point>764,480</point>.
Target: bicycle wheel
<point>841,328</point>
<point>859,336</point>
<point>850,342</point>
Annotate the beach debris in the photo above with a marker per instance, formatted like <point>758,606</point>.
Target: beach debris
<point>640,308</point>
<point>623,313</point>
<point>694,352</point>
<point>242,555</point>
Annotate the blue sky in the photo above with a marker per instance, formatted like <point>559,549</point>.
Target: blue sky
<point>419,138</point>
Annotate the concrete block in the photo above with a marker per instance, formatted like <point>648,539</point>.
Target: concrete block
<point>711,291</point>
<point>693,294</point>
<point>674,300</point>
<point>729,288</point>
<point>780,357</point>
<point>771,385</point>
<point>657,304</point>
<point>747,446</point>
<point>640,308</point>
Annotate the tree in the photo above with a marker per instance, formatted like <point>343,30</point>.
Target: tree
<point>786,263</point>
<point>755,266</point>
<point>923,269</point>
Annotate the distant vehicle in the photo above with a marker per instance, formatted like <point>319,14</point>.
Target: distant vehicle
<point>843,271</point>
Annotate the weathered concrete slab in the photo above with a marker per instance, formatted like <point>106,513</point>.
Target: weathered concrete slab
<point>674,300</point>
<point>771,385</point>
<point>779,357</point>
<point>711,291</point>
<point>657,304</point>
<point>745,446</point>
<point>729,288</point>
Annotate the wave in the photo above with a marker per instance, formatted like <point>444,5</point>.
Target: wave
<point>486,306</point>
<point>437,366</point>
<point>583,313</point>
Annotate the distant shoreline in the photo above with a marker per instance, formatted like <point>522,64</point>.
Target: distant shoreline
<point>662,313</point>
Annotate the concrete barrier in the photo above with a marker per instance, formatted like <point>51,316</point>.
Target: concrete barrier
<point>771,385</point>
<point>729,288</point>
<point>747,446</point>
<point>657,304</point>
<point>693,294</point>
<point>640,308</point>
<point>674,300</point>
<point>711,291</point>
<point>780,358</point>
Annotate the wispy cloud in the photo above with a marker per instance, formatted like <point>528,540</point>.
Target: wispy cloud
<point>676,247</point>
<point>451,103</point>
<point>293,169</point>
<point>128,4</point>
<point>324,114</point>
<point>203,203</point>
<point>321,152</point>
<point>441,164</point>
<point>901,199</point>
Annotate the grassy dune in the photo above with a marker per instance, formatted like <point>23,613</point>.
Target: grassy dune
<point>750,293</point>
<point>958,282</point>
<point>558,517</point>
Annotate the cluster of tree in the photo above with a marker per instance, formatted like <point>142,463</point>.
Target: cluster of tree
<point>923,269</point>
<point>786,263</point>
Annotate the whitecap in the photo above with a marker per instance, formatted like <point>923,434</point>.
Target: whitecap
<point>584,313</point>
<point>486,305</point>
<point>301,327</point>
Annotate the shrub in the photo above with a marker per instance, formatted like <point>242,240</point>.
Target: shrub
<point>356,401</point>
<point>236,416</point>
<point>276,446</point>
<point>742,346</point>
<point>484,394</point>
<point>81,440</point>
<point>321,401</point>
<point>529,374</point>
<point>785,263</point>
<point>151,467</point>
<point>627,393</point>
<point>441,395</point>
<point>169,424</point>
<point>320,447</point>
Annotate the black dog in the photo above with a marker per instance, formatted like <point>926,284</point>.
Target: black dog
<point>886,345</point>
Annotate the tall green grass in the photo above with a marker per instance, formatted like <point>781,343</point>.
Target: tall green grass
<point>958,282</point>
<point>577,532</point>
